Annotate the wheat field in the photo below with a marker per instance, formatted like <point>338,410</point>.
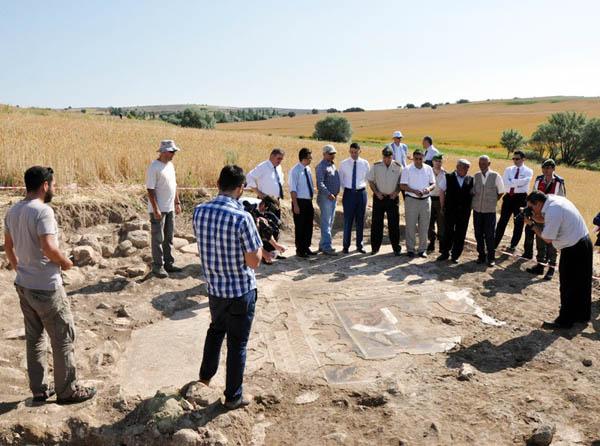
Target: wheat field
<point>470,126</point>
<point>94,150</point>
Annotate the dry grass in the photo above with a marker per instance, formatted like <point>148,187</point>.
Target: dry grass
<point>474,125</point>
<point>94,150</point>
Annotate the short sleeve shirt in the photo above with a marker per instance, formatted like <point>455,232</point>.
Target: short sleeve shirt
<point>417,179</point>
<point>385,178</point>
<point>26,221</point>
<point>440,183</point>
<point>266,178</point>
<point>161,178</point>
<point>563,224</point>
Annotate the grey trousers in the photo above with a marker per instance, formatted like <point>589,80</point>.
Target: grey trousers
<point>49,311</point>
<point>162,239</point>
<point>417,214</point>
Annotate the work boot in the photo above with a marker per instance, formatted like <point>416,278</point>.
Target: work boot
<point>549,274</point>
<point>537,269</point>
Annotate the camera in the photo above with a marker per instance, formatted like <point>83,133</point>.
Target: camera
<point>526,212</point>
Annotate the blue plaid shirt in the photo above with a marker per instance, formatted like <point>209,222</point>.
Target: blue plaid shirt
<point>328,178</point>
<point>225,231</point>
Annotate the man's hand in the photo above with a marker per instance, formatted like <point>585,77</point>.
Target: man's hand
<point>296,208</point>
<point>529,221</point>
<point>177,208</point>
<point>379,195</point>
<point>331,197</point>
<point>157,214</point>
<point>66,265</point>
<point>394,195</point>
<point>425,191</point>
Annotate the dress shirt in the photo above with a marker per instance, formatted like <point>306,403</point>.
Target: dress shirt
<point>563,224</point>
<point>266,178</point>
<point>362,169</point>
<point>298,181</point>
<point>440,183</point>
<point>430,152</point>
<point>400,153</point>
<point>461,180</point>
<point>499,182</point>
<point>417,179</point>
<point>520,184</point>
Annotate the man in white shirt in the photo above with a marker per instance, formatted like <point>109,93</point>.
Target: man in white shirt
<point>565,228</point>
<point>487,190</point>
<point>399,149</point>
<point>267,177</point>
<point>353,174</point>
<point>302,190</point>
<point>516,183</point>
<point>417,182</point>
<point>438,195</point>
<point>430,150</point>
<point>163,204</point>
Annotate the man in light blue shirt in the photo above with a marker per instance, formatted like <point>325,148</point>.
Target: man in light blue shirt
<point>399,149</point>
<point>302,191</point>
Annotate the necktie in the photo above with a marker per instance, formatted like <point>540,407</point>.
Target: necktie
<point>512,189</point>
<point>278,183</point>
<point>354,176</point>
<point>309,183</point>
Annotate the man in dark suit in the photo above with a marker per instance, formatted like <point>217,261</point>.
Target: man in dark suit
<point>457,211</point>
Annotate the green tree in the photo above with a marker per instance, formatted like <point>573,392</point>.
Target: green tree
<point>561,135</point>
<point>291,114</point>
<point>333,128</point>
<point>511,140</point>
<point>590,141</point>
<point>410,106</point>
<point>315,111</point>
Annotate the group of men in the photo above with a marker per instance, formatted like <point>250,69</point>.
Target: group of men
<point>437,207</point>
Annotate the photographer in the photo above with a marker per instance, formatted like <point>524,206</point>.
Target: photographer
<point>268,224</point>
<point>549,183</point>
<point>565,228</point>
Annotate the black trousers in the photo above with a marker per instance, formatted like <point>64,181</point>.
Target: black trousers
<point>575,268</point>
<point>484,224</point>
<point>511,207</point>
<point>546,253</point>
<point>456,225</point>
<point>303,225</point>
<point>386,207</point>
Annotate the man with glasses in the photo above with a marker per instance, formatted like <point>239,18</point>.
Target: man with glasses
<point>302,190</point>
<point>267,177</point>
<point>417,182</point>
<point>353,173</point>
<point>516,181</point>
<point>328,186</point>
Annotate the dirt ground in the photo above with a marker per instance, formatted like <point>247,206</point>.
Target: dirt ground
<point>348,350</point>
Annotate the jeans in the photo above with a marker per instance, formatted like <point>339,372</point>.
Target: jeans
<point>49,311</point>
<point>162,239</point>
<point>232,317</point>
<point>327,208</point>
<point>355,206</point>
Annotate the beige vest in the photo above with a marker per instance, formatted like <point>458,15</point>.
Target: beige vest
<point>485,196</point>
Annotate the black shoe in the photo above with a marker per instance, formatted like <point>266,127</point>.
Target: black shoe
<point>431,247</point>
<point>345,251</point>
<point>511,249</point>
<point>537,269</point>
<point>442,258</point>
<point>549,274</point>
<point>453,260</point>
<point>398,253</point>
<point>527,255</point>
<point>304,255</point>
<point>361,250</point>
<point>480,260</point>
<point>410,254</point>
<point>423,255</point>
<point>43,397</point>
<point>374,253</point>
<point>281,257</point>
<point>491,263</point>
<point>173,269</point>
<point>557,325</point>
<point>161,273</point>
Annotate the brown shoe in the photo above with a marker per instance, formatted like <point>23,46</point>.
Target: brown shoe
<point>80,395</point>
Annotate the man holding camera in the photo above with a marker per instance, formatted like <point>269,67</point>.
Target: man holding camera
<point>565,228</point>
<point>549,183</point>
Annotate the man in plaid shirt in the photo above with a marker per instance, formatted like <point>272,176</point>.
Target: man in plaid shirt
<point>230,250</point>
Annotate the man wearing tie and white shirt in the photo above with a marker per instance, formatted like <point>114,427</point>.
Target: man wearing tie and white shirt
<point>353,174</point>
<point>399,149</point>
<point>267,177</point>
<point>302,190</point>
<point>430,150</point>
<point>516,181</point>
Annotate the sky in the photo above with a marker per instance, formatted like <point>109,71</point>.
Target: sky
<point>304,54</point>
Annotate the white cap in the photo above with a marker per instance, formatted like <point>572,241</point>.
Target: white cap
<point>329,149</point>
<point>168,145</point>
<point>397,134</point>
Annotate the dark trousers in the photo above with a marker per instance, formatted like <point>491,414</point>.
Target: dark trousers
<point>456,225</point>
<point>511,207</point>
<point>303,225</point>
<point>437,219</point>
<point>355,206</point>
<point>575,268</point>
<point>484,224</point>
<point>161,235</point>
<point>386,207</point>
<point>546,253</point>
<point>231,317</point>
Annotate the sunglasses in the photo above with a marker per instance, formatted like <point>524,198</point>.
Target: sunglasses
<point>517,159</point>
